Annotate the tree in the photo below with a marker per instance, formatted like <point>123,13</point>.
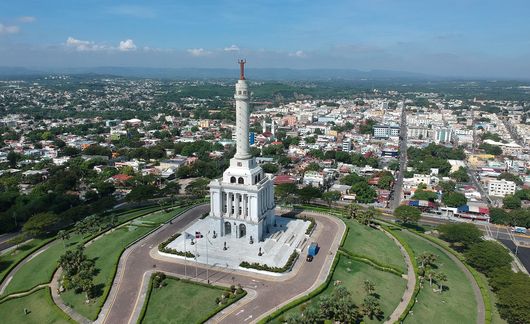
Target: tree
<point>461,235</point>
<point>490,149</point>
<point>511,202</point>
<point>385,181</point>
<point>198,187</point>
<point>460,175</point>
<point>426,260</point>
<point>269,168</point>
<point>331,196</point>
<point>352,179</point>
<point>142,193</point>
<point>369,287</point>
<point>309,193</point>
<point>407,214</point>
<point>352,210</point>
<point>454,199</point>
<point>285,192</point>
<point>364,193</point>
<point>365,216</point>
<point>499,216</point>
<point>12,158</point>
<point>447,186</point>
<point>371,308</point>
<point>487,256</point>
<point>63,235</point>
<point>40,224</point>
<point>440,278</point>
<point>313,166</point>
<point>510,177</point>
<point>425,195</point>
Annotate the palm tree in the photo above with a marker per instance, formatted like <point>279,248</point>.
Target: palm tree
<point>369,287</point>
<point>426,260</point>
<point>430,274</point>
<point>440,278</point>
<point>371,307</point>
<point>63,235</point>
<point>352,210</point>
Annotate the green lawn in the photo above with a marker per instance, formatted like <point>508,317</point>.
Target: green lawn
<point>456,305</point>
<point>372,243</point>
<point>39,304</point>
<point>9,259</point>
<point>352,274</point>
<point>46,263</point>
<point>106,251</point>
<point>181,302</point>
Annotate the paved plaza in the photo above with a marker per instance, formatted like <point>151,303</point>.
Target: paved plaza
<point>281,241</point>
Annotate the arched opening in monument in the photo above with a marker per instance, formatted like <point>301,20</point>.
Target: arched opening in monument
<point>233,180</point>
<point>228,228</point>
<point>240,180</point>
<point>242,230</point>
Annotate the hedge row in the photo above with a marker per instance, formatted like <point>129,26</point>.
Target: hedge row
<point>305,298</point>
<point>258,266</point>
<point>372,262</point>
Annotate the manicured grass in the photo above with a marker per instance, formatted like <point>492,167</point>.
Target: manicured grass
<point>9,259</point>
<point>372,243</point>
<point>455,305</point>
<point>106,251</point>
<point>46,262</point>
<point>39,304</point>
<point>352,274</point>
<point>181,302</point>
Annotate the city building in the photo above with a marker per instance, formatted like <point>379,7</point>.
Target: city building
<point>386,131</point>
<point>501,188</point>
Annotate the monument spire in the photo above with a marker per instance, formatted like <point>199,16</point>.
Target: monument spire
<point>242,115</point>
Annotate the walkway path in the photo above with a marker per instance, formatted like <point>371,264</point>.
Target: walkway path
<point>54,287</point>
<point>481,312</point>
<point>411,282</point>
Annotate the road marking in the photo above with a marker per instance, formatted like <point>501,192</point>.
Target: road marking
<point>241,311</point>
<point>246,319</point>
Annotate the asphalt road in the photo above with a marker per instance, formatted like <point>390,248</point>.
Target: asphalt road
<point>398,186</point>
<point>271,291</point>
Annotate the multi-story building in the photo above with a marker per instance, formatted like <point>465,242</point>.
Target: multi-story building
<point>346,145</point>
<point>501,188</point>
<point>386,131</point>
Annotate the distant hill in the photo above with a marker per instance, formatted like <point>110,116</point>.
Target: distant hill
<point>213,73</point>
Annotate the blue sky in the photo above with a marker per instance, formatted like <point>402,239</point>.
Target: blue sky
<point>477,38</point>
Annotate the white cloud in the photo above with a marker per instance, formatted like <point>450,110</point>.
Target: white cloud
<point>232,48</point>
<point>298,54</point>
<point>198,52</point>
<point>27,19</point>
<point>83,45</point>
<point>127,45</point>
<point>8,29</point>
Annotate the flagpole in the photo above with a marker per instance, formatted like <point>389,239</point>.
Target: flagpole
<point>207,265</point>
<point>196,258</point>
<point>185,255</point>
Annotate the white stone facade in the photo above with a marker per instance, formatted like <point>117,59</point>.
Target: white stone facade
<point>242,202</point>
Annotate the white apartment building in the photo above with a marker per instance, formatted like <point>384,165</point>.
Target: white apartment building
<point>385,131</point>
<point>501,188</point>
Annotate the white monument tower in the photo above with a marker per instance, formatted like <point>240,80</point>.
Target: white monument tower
<point>242,202</point>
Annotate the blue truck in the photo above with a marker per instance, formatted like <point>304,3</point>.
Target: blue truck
<point>312,251</point>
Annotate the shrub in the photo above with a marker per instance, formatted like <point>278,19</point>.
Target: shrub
<point>258,266</point>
